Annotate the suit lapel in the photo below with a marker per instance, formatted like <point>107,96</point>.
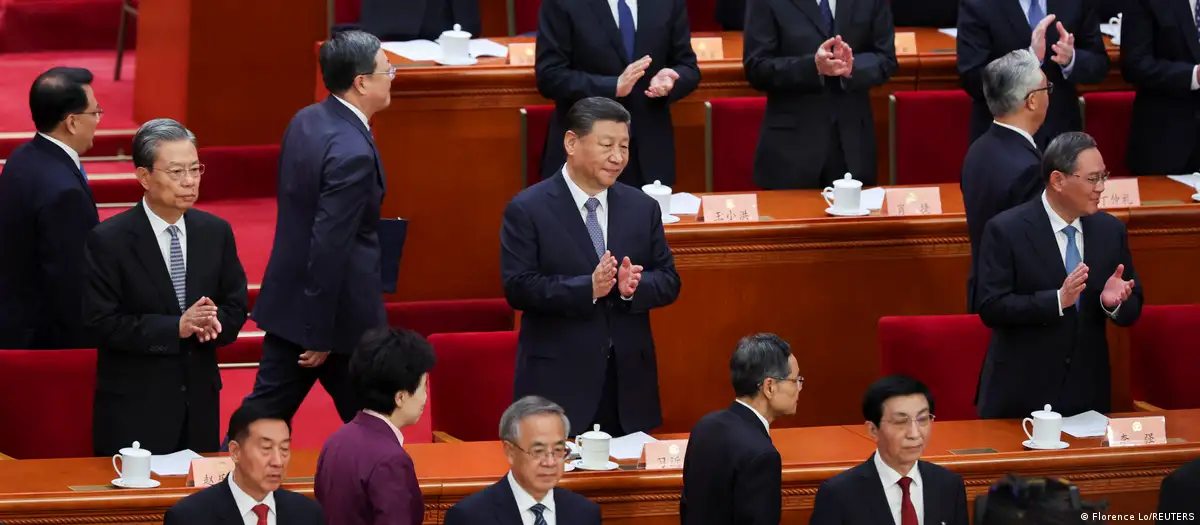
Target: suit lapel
<point>1183,9</point>
<point>564,208</point>
<point>872,491</point>
<point>1041,237</point>
<point>843,11</point>
<point>145,247</point>
<point>507,512</point>
<point>1059,9</point>
<point>1018,20</point>
<point>616,224</point>
<point>1094,253</point>
<point>344,112</point>
<point>929,494</point>
<point>227,506</point>
<point>648,23</point>
<point>62,156</point>
<point>810,8</point>
<point>609,26</point>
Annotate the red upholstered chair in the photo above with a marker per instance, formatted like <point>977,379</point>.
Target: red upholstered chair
<point>524,15</point>
<point>731,134</point>
<point>702,15</point>
<point>443,317</point>
<point>1106,117</point>
<point>347,11</point>
<point>943,351</point>
<point>1164,356</point>
<point>239,172</point>
<point>535,124</point>
<point>46,403</point>
<point>928,136</point>
<point>478,367</point>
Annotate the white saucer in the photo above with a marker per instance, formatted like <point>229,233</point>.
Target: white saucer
<point>568,466</point>
<point>861,212</point>
<point>670,219</point>
<point>1028,443</point>
<point>1196,197</point>
<point>119,483</point>
<point>579,465</point>
<point>469,61</point>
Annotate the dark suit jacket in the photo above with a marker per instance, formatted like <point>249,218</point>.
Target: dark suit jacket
<point>925,13</point>
<point>215,506</point>
<point>731,14</point>
<point>399,20</point>
<point>732,472</point>
<point>546,262</point>
<point>1036,356</point>
<point>496,505</point>
<point>990,29</point>
<point>323,287</point>
<point>780,42</point>
<point>46,211</point>
<point>580,54</point>
<point>1159,50</point>
<point>365,477</point>
<point>856,496</point>
<point>1178,491</point>
<point>1001,170</point>
<point>147,378</point>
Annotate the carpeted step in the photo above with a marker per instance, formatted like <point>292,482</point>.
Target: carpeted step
<point>19,70</point>
<point>60,25</point>
<point>108,144</point>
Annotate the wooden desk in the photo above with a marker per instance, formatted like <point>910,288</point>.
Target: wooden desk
<point>38,491</point>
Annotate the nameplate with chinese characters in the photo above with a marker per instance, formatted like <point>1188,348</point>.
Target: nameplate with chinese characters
<point>206,472</point>
<point>522,54</point>
<point>708,48</point>
<point>730,208</point>
<point>903,202</point>
<point>1120,193</point>
<point>906,43</point>
<point>1136,431</point>
<point>664,455</point>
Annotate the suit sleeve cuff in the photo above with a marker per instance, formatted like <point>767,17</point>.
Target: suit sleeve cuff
<point>1113,312</point>
<point>623,298</point>
<point>1070,66</point>
<point>1195,82</point>
<point>1058,295</point>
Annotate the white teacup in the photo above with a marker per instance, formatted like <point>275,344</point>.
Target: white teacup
<point>135,465</point>
<point>456,44</point>
<point>1047,428</point>
<point>845,196</point>
<point>1116,20</point>
<point>593,448</point>
<point>660,193</point>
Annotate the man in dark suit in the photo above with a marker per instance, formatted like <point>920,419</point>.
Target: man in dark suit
<point>534,432</point>
<point>323,288</point>
<point>1177,495</point>
<point>731,14</point>
<point>638,53</point>
<point>925,13</point>
<point>165,288</point>
<point>46,212</point>
<point>586,260</point>
<point>400,20</point>
<point>1160,47</point>
<point>732,472</point>
<point>894,485</point>
<point>260,446</point>
<point>1003,168</point>
<point>817,63</point>
<point>1040,296</point>
<point>990,29</point>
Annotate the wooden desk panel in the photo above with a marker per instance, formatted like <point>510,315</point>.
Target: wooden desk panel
<point>37,491</point>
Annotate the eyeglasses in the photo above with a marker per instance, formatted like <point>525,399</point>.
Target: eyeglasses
<point>179,173</point>
<point>557,453</point>
<point>1093,179</point>
<point>1048,89</point>
<point>799,380</point>
<point>97,113</point>
<point>904,422</point>
<point>391,72</point>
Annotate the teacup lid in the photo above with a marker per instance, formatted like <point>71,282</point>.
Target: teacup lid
<point>1046,414</point>
<point>847,182</point>
<point>656,189</point>
<point>595,433</point>
<point>457,32</point>
<point>135,451</point>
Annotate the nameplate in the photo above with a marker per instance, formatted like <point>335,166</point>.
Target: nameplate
<point>903,202</point>
<point>906,43</point>
<point>708,48</point>
<point>206,472</point>
<point>663,455</point>
<point>1136,431</point>
<point>1120,193</point>
<point>965,451</point>
<point>522,54</point>
<point>730,208</point>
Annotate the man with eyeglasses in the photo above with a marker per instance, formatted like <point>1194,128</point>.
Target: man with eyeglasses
<point>732,472</point>
<point>534,431</point>
<point>894,485</point>
<point>164,290</point>
<point>1052,273</point>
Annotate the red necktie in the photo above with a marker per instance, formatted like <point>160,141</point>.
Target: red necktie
<point>260,510</point>
<point>908,513</point>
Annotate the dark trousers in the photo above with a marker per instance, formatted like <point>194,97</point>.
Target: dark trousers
<point>607,414</point>
<point>282,384</point>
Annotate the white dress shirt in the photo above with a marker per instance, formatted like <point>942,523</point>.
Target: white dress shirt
<point>895,495</point>
<point>766,425</point>
<point>246,504</point>
<point>1049,50</point>
<point>1019,131</point>
<point>70,151</point>
<point>581,199</point>
<point>525,501</point>
<point>1057,223</point>
<point>356,111</point>
<point>159,226</point>
<point>612,4</point>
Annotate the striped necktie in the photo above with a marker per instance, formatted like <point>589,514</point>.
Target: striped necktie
<point>177,268</point>
<point>537,511</point>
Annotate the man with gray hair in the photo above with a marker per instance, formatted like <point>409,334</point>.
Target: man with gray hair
<point>1038,292</point>
<point>732,472</point>
<point>1001,169</point>
<point>165,288</point>
<point>534,431</point>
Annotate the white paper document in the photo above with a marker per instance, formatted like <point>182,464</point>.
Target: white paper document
<point>176,464</point>
<point>1192,179</point>
<point>482,47</point>
<point>951,31</point>
<point>872,199</point>
<point>1087,424</point>
<point>629,447</point>
<point>685,204</point>
<point>428,50</point>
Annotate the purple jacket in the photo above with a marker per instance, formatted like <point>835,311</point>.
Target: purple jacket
<point>364,477</point>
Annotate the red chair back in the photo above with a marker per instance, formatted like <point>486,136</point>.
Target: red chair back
<point>535,124</point>
<point>525,16</point>
<point>1164,355</point>
<point>46,403</point>
<point>1107,115</point>
<point>454,316</point>
<point>482,364</point>
<point>733,128</point>
<point>347,11</point>
<point>702,15</point>
<point>239,172</point>
<point>943,351</point>
<point>929,136</point>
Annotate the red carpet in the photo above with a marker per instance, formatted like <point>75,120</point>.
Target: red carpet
<point>19,71</point>
<point>46,25</point>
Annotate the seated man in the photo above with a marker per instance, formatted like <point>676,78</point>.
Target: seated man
<point>894,486</point>
<point>393,20</point>
<point>260,446</point>
<point>1037,501</point>
<point>534,431</point>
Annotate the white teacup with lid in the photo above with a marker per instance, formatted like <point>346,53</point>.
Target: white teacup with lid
<point>662,194</point>
<point>845,197</point>
<point>456,46</point>
<point>593,448</point>
<point>1047,429</point>
<point>134,471</point>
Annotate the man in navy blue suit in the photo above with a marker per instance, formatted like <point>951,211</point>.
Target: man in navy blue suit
<point>586,260</point>
<point>1052,271</point>
<point>322,289</point>
<point>46,212</point>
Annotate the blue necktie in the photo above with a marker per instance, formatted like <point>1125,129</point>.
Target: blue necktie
<point>538,509</point>
<point>1073,258</point>
<point>625,20</point>
<point>83,171</point>
<point>828,14</point>
<point>593,226</point>
<point>1035,13</point>
<point>178,270</point>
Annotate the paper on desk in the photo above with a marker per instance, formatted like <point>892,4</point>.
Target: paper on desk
<point>427,50</point>
<point>629,447</point>
<point>685,204</point>
<point>952,31</point>
<point>1087,424</point>
<point>482,47</point>
<point>176,464</point>
<point>1192,179</point>
<point>872,199</point>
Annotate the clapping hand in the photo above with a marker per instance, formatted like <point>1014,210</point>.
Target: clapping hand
<point>1064,49</point>
<point>200,319</point>
<point>1038,40</point>
<point>628,277</point>
<point>662,83</point>
<point>1073,286</point>
<point>1116,289</point>
<point>604,276</point>
<point>633,72</point>
<point>834,58</point>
